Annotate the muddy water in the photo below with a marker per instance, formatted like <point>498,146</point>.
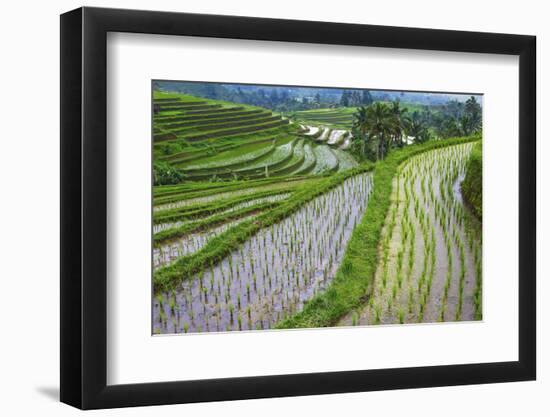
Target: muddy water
<point>274,273</point>
<point>431,247</point>
<point>346,144</point>
<point>336,136</point>
<point>324,136</point>
<point>312,130</point>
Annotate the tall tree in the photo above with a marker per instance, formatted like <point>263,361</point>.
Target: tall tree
<point>366,98</point>
<point>285,96</point>
<point>274,97</point>
<point>471,121</point>
<point>399,122</point>
<point>380,125</point>
<point>450,127</point>
<point>318,98</point>
<point>418,130</point>
<point>359,130</point>
<point>344,100</point>
<point>355,99</point>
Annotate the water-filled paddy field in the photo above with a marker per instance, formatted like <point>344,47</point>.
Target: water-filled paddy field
<point>273,273</point>
<point>276,223</point>
<point>430,263</point>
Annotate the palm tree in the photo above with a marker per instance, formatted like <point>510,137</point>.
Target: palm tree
<point>473,110</point>
<point>469,124</point>
<point>400,121</point>
<point>450,127</point>
<point>380,125</point>
<point>360,128</point>
<point>418,130</point>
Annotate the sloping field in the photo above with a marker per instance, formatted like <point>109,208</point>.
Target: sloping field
<point>213,140</point>
<point>274,224</point>
<point>259,219</point>
<point>341,117</point>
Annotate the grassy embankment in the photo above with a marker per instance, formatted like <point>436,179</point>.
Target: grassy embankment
<point>472,185</point>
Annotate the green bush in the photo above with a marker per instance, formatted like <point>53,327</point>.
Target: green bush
<point>164,174</point>
<point>472,185</point>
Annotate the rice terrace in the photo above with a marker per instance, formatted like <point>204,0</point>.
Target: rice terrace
<point>280,207</point>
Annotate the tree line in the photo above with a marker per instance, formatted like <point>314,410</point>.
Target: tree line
<point>355,98</point>
<point>381,126</point>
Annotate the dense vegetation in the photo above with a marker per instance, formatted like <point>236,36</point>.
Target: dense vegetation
<point>381,126</point>
<point>267,218</point>
<point>472,186</point>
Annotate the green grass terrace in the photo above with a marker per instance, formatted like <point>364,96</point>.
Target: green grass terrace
<point>215,140</point>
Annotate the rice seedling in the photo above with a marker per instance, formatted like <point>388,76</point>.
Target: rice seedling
<point>242,257</point>
<point>401,315</point>
<point>290,251</point>
<point>424,233</point>
<point>377,314</point>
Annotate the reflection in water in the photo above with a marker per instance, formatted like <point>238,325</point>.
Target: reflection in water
<point>273,273</point>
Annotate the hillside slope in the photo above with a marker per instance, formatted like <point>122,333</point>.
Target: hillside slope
<point>198,139</point>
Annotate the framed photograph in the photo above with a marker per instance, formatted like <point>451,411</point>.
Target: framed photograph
<point>256,208</point>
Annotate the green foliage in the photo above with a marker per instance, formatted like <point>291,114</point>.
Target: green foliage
<point>472,185</point>
<point>164,174</point>
<point>456,118</point>
<point>381,126</point>
<point>356,98</point>
<point>417,129</point>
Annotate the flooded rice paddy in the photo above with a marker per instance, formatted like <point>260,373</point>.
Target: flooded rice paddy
<point>326,159</point>
<point>269,199</point>
<point>190,243</point>
<point>336,136</point>
<point>221,196</point>
<point>430,266</point>
<point>312,130</point>
<point>273,273</point>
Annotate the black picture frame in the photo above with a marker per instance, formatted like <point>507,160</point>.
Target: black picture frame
<point>84,207</point>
